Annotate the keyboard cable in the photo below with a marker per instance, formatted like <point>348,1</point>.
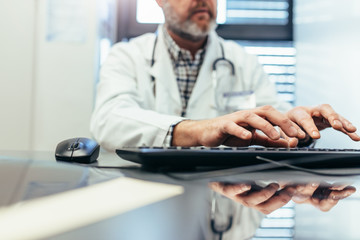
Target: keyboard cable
<point>270,164</point>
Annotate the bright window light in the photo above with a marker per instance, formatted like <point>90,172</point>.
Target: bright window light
<point>147,11</point>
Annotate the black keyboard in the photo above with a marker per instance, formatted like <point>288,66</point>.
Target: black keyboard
<point>224,157</point>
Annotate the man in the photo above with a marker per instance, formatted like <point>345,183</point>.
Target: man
<point>141,110</point>
<point>158,89</point>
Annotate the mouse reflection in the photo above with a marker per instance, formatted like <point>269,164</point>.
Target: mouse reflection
<point>273,196</point>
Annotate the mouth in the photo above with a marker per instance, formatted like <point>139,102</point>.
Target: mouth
<point>201,11</point>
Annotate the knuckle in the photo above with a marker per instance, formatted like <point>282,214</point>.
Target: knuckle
<point>267,127</point>
<point>215,186</point>
<point>227,191</point>
<point>226,126</point>
<point>285,121</point>
<point>303,121</point>
<point>247,114</point>
<point>268,108</point>
<point>333,116</point>
<point>266,195</point>
<point>325,105</point>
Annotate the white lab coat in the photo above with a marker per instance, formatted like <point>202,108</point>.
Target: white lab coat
<point>127,113</point>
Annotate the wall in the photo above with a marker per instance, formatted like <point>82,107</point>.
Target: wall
<point>328,48</point>
<point>16,72</point>
<point>47,84</point>
<point>65,76</point>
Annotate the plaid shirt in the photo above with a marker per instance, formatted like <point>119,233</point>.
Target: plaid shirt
<point>186,71</point>
<point>185,68</point>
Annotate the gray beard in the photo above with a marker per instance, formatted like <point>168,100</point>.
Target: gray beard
<point>188,30</point>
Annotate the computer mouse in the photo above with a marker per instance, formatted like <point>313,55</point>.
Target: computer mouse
<point>80,150</point>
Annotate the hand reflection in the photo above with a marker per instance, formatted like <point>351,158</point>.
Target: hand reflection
<point>265,200</point>
<point>323,196</point>
<point>273,196</point>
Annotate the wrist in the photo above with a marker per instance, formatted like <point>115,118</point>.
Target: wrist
<point>186,134</point>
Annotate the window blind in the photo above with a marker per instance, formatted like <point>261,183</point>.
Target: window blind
<point>274,12</point>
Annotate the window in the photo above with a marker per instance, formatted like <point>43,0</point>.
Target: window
<point>279,61</point>
<point>237,19</point>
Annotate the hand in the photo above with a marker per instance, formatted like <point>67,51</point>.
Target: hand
<point>265,200</point>
<point>238,129</point>
<point>315,119</point>
<point>324,196</point>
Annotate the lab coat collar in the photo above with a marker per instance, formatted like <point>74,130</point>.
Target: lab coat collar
<point>162,70</point>
<point>204,80</point>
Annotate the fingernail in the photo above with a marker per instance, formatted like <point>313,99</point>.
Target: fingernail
<point>246,134</point>
<point>314,185</point>
<point>315,134</point>
<point>275,186</point>
<point>245,187</point>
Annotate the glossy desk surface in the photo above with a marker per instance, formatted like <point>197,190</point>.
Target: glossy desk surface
<point>124,202</point>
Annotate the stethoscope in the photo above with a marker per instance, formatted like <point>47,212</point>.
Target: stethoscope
<point>215,228</point>
<point>222,99</point>
<point>214,66</point>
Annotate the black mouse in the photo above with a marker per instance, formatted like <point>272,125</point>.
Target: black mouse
<point>80,150</point>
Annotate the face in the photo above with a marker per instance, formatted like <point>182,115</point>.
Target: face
<point>190,19</point>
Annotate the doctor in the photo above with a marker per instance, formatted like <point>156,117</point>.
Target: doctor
<point>152,86</point>
<point>170,88</point>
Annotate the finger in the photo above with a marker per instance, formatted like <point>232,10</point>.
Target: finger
<point>277,201</point>
<point>326,204</point>
<point>327,112</point>
<point>346,192</point>
<point>255,121</point>
<point>302,117</point>
<point>259,139</point>
<point>292,142</point>
<point>334,197</point>
<point>338,122</point>
<point>281,120</point>
<point>347,125</point>
<point>339,186</point>
<point>230,190</point>
<point>304,192</point>
<point>252,199</point>
<point>349,129</point>
<point>234,129</point>
<point>353,136</point>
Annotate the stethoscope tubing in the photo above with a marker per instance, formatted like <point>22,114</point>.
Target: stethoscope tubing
<point>214,69</point>
<point>222,58</point>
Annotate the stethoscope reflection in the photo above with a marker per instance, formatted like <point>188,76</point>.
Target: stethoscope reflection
<point>226,212</point>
